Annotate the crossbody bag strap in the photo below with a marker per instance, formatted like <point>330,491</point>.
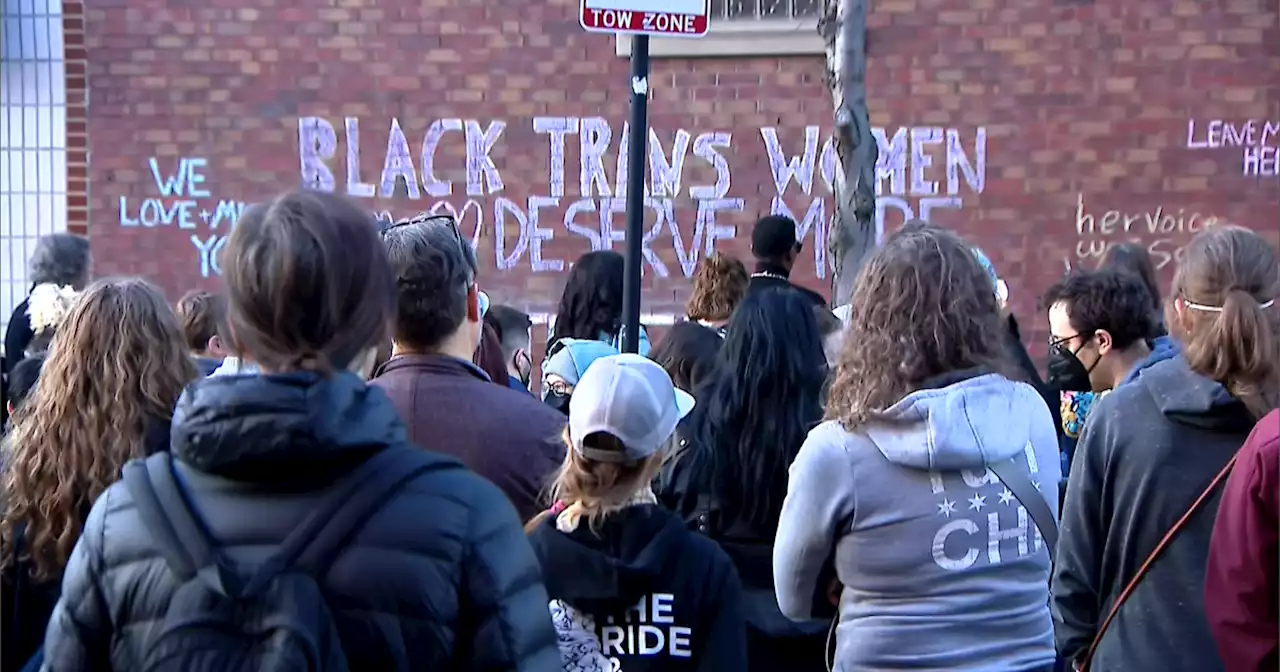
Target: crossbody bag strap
<point>1146,564</point>
<point>1011,475</point>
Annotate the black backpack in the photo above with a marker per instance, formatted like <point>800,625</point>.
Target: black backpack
<point>269,618</point>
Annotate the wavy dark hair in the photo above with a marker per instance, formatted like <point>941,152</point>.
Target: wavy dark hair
<point>922,307</point>
<point>756,409</point>
<point>592,299</point>
<point>688,353</point>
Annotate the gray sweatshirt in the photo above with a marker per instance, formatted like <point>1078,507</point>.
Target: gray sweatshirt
<point>942,568</point>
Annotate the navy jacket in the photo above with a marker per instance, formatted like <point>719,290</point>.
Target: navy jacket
<point>442,577</point>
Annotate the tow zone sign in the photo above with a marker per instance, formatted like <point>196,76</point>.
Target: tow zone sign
<point>668,18</point>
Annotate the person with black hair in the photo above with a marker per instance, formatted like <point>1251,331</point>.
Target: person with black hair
<point>22,379</point>
<point>1099,325</point>
<point>1099,322</point>
<point>512,327</point>
<point>591,305</point>
<point>776,248</point>
<point>728,475</point>
<point>688,352</point>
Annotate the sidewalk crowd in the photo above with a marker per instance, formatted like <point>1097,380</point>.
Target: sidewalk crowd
<point>336,462</point>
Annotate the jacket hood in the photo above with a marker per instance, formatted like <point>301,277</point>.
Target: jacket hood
<point>611,568</point>
<point>965,424</point>
<point>263,426</point>
<point>1162,348</point>
<point>1188,398</point>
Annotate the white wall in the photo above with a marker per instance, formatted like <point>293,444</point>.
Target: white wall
<point>33,138</point>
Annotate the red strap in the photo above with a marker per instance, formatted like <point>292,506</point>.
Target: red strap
<point>1083,664</point>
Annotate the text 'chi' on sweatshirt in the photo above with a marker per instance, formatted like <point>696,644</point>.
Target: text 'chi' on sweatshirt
<point>942,568</point>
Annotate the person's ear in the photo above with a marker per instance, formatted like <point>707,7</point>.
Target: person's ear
<point>8,405</point>
<point>1103,338</point>
<point>214,347</point>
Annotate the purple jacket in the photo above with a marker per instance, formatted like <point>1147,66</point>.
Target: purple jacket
<point>452,407</point>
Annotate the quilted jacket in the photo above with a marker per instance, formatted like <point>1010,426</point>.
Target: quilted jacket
<point>441,578</point>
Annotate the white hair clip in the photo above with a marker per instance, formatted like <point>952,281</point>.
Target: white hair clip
<point>1218,309</point>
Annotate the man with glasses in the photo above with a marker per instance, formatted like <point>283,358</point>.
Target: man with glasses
<point>1099,326</point>
<point>448,403</point>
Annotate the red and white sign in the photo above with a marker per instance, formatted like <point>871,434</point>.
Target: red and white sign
<point>667,18</point>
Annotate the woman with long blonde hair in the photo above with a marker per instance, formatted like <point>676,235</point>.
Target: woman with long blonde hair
<point>106,394</point>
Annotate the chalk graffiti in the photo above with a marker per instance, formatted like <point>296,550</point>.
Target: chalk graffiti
<point>677,209</point>
<point>185,202</point>
<point>1253,138</point>
<point>1164,232</point>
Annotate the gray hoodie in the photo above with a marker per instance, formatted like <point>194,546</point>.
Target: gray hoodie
<point>942,568</point>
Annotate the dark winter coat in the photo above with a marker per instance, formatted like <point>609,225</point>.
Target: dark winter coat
<point>442,577</point>
<point>1148,451</point>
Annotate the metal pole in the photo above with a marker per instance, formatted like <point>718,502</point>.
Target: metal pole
<point>637,150</point>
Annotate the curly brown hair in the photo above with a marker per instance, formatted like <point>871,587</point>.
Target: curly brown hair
<point>718,287</point>
<point>922,306</point>
<point>1228,272</point>
<point>118,362</point>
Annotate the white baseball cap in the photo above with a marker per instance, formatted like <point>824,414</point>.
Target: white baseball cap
<point>631,398</point>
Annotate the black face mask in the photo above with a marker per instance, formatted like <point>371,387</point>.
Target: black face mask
<point>1066,372</point>
<point>560,402</point>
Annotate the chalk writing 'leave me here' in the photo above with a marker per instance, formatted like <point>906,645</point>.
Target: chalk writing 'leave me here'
<point>1260,158</point>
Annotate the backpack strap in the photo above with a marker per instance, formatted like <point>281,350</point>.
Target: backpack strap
<point>1083,663</point>
<point>1011,475</point>
<point>180,537</point>
<point>315,543</point>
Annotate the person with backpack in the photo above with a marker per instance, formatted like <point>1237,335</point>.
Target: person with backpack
<point>631,589</point>
<point>292,526</point>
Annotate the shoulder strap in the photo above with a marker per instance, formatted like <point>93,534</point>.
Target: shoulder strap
<point>179,536</point>
<point>1155,553</point>
<point>1010,473</point>
<point>315,543</point>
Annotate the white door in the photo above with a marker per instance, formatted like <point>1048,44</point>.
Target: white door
<point>33,138</point>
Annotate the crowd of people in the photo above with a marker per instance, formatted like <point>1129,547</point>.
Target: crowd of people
<point>349,458</point>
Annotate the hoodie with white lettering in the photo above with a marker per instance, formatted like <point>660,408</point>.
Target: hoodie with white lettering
<point>641,593</point>
<point>941,567</point>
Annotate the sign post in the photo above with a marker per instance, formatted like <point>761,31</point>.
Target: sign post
<point>640,18</point>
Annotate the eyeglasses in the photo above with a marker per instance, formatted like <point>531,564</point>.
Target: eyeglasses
<point>429,219</point>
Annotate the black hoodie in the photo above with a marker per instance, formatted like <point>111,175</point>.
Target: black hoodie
<point>660,597</point>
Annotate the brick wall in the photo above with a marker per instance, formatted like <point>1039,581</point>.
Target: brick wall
<point>1085,108</point>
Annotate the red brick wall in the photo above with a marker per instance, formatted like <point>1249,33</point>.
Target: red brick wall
<point>1078,102</point>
